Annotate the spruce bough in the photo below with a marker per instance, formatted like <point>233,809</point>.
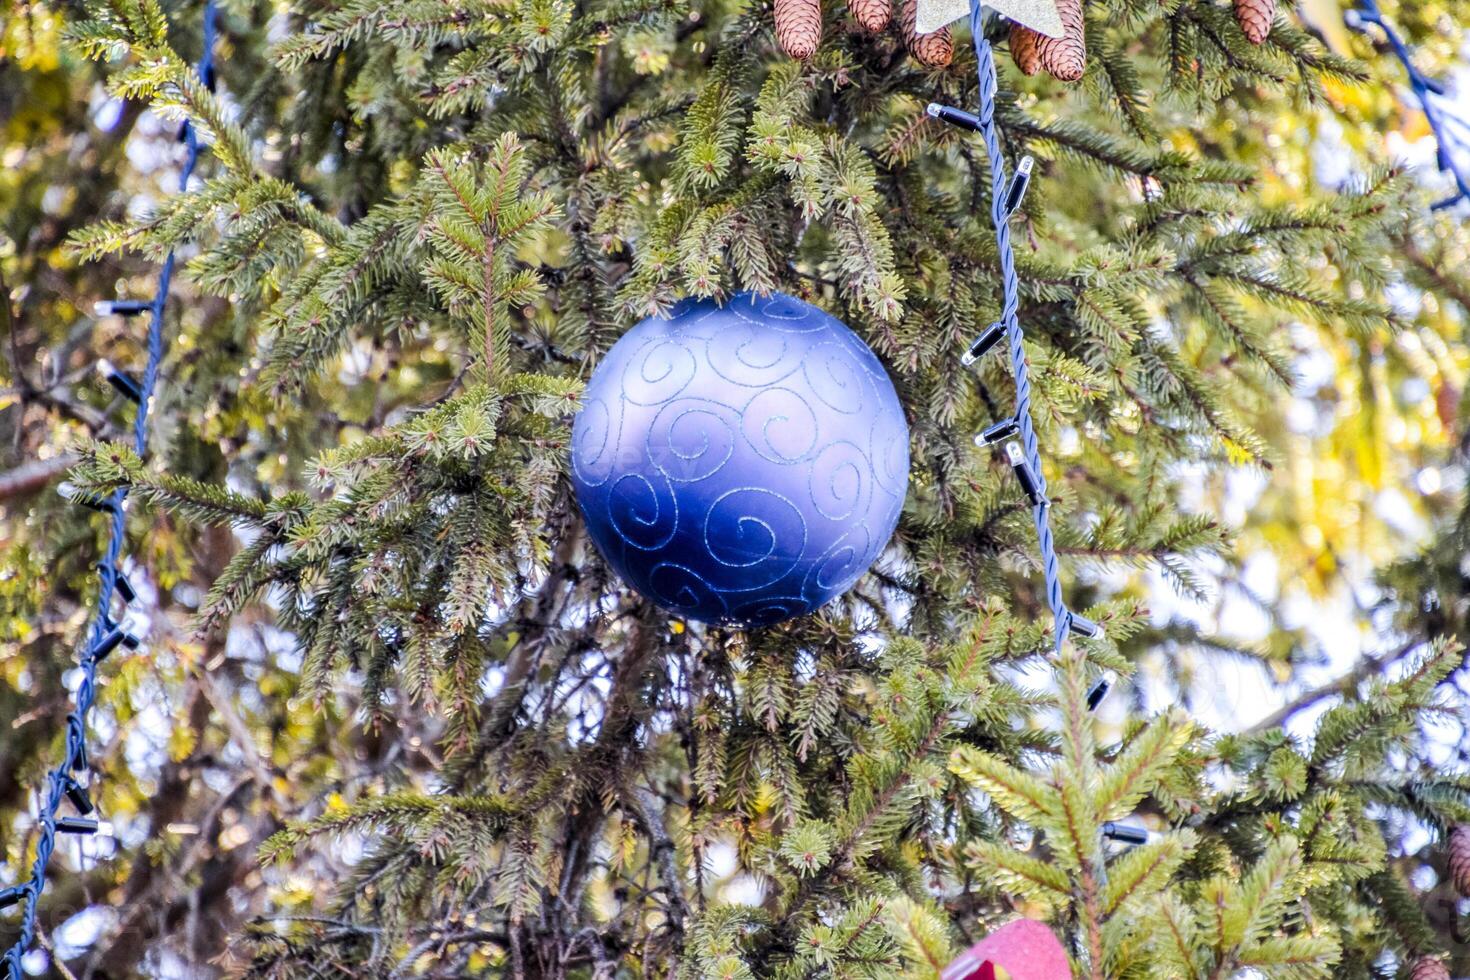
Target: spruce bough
<point>474,200</point>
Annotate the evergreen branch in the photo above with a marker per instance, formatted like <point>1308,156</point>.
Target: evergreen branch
<point>1366,667</point>
<point>1143,871</point>
<point>1136,770</point>
<point>1017,792</point>
<point>396,813</point>
<point>1019,873</point>
<point>107,467</point>
<point>1179,936</point>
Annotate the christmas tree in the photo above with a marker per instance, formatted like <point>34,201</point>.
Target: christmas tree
<point>394,715</point>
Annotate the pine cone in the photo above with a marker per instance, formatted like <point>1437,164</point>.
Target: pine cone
<point>1023,49</point>
<point>1066,56</point>
<point>1255,18</point>
<point>799,27</point>
<point>1428,968</point>
<point>871,15</point>
<point>1459,847</point>
<point>931,50</point>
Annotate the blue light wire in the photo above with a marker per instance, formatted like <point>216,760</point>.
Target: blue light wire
<point>1425,89</point>
<point>1000,215</point>
<point>62,781</point>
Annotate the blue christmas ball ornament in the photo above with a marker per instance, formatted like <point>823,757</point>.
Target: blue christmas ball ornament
<point>743,463</point>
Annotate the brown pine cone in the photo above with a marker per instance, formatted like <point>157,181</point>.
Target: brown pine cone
<point>1428,968</point>
<point>1255,18</point>
<point>1459,847</point>
<point>871,15</point>
<point>1066,56</point>
<point>1023,49</point>
<point>931,50</point>
<point>799,27</point>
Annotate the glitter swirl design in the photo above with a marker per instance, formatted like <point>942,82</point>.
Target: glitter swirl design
<point>740,464</point>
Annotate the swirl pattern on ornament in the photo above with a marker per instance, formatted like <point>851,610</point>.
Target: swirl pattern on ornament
<point>740,464</point>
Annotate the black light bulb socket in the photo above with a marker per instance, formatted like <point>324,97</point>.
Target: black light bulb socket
<point>79,798</point>
<point>999,432</point>
<point>1083,626</point>
<point>1124,833</point>
<point>1096,693</point>
<point>121,307</point>
<point>984,344</point>
<point>1030,485</point>
<point>125,383</point>
<point>120,580</point>
<point>115,637</point>
<point>953,116</point>
<point>1019,182</point>
<point>71,492</point>
<point>77,825</point>
<point>74,721</point>
<point>13,895</point>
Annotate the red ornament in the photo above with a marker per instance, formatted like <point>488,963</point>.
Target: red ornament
<point>1020,950</point>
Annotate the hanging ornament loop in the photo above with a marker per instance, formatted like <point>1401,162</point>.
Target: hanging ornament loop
<point>65,782</point>
<point>1425,89</point>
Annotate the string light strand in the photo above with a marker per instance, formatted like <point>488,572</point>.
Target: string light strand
<point>1016,433</point>
<point>1450,150</point>
<point>67,781</point>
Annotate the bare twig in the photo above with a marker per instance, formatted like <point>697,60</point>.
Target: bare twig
<point>241,735</point>
<point>33,474</point>
<point>662,850</point>
<point>1367,667</point>
<point>56,961</point>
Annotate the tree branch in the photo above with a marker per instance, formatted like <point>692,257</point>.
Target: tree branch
<point>1367,667</point>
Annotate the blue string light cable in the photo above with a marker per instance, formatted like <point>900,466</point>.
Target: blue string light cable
<point>1426,90</point>
<point>105,635</point>
<point>1024,455</point>
<point>1016,432</point>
